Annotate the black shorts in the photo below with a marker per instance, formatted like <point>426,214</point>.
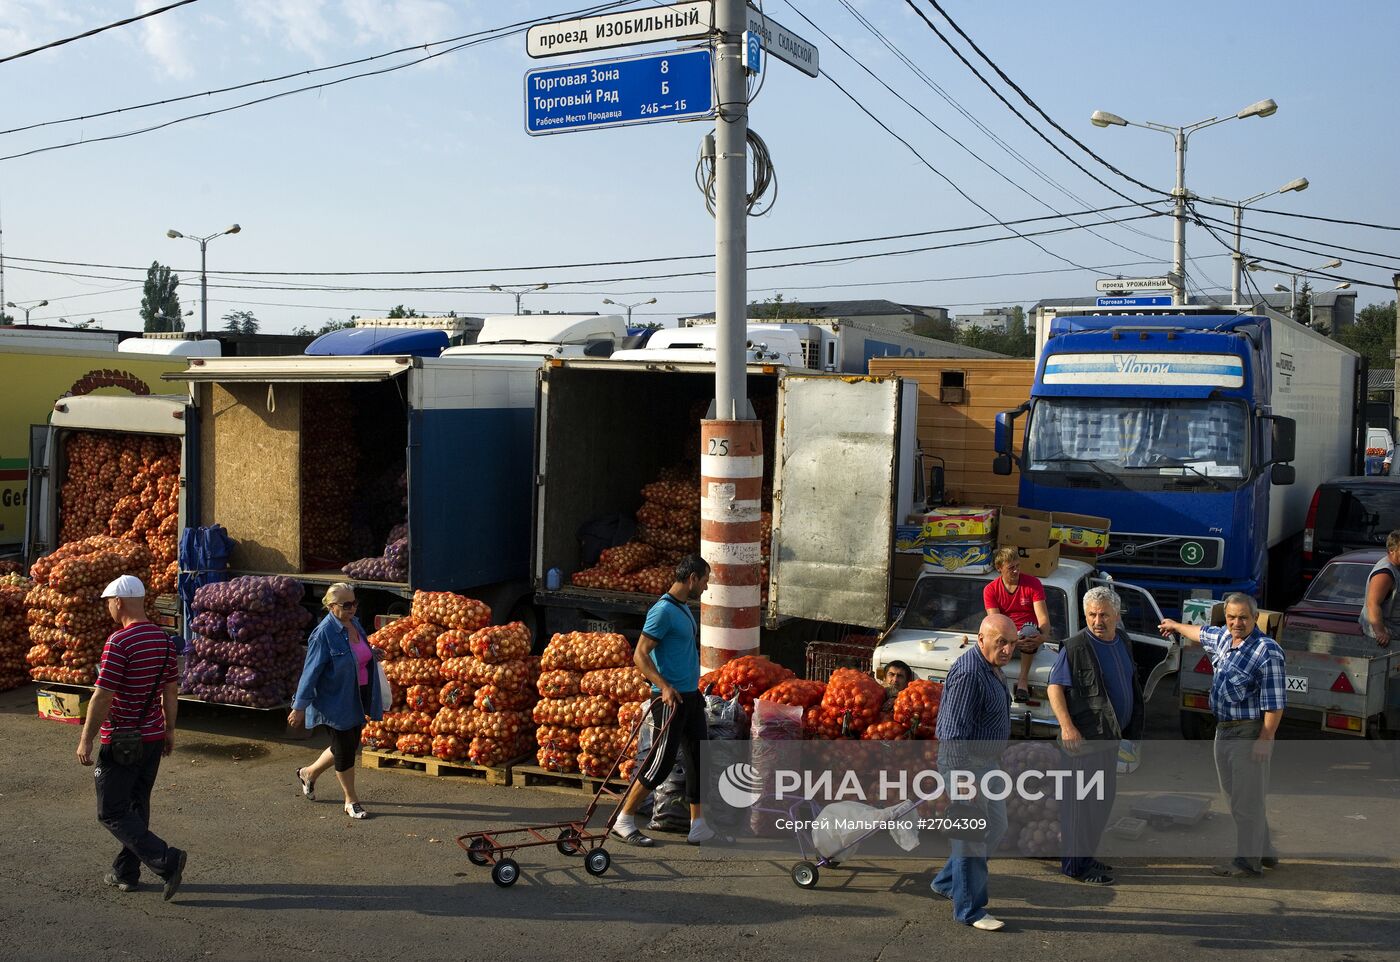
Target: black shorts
<point>344,744</point>
<point>687,730</point>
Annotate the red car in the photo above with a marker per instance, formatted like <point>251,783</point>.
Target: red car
<point>1331,607</point>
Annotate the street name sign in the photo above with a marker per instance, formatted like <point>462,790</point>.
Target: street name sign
<point>1148,300</point>
<point>1109,284</point>
<point>780,42</point>
<point>679,21</point>
<point>611,93</point>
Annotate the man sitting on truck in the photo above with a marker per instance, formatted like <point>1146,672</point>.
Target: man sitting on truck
<point>1380,617</point>
<point>1022,599</point>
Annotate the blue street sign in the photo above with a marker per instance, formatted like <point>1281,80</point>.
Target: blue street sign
<point>753,51</point>
<point>1146,300</point>
<point>610,93</point>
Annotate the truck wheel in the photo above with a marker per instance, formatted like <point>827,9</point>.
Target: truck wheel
<point>1196,726</point>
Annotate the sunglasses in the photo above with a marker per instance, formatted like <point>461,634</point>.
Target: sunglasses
<point>345,604</point>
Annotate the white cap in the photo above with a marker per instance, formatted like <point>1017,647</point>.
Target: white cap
<point>127,586</point>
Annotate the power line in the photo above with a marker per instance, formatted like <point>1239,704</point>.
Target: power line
<point>95,31</point>
<point>1290,213</point>
<point>1253,234</point>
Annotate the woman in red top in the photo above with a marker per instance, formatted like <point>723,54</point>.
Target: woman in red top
<point>1022,599</point>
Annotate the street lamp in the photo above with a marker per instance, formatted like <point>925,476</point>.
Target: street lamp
<point>26,310</point>
<point>1293,278</point>
<point>1180,135</point>
<point>203,243</point>
<point>1293,185</point>
<point>518,292</point>
<point>608,300</point>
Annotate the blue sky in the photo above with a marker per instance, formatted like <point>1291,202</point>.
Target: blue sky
<point>429,167</point>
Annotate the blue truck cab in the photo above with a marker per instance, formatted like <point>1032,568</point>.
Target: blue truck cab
<point>1189,431</point>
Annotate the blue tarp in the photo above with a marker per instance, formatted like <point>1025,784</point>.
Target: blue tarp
<point>362,341</point>
<point>204,554</point>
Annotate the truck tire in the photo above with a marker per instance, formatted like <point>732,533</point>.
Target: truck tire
<point>1196,726</point>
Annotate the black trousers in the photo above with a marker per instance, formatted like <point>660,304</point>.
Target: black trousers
<point>1082,821</point>
<point>124,809</point>
<point>687,730</point>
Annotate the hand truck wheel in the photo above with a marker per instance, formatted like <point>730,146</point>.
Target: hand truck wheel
<point>505,872</point>
<point>477,852</point>
<point>568,842</point>
<point>805,874</point>
<point>597,861</point>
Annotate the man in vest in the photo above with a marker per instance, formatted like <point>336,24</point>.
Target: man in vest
<point>1380,618</point>
<point>1097,699</point>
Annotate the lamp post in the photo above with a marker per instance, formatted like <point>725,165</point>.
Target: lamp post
<point>1292,276</point>
<point>203,243</point>
<point>628,307</point>
<point>1235,280</point>
<point>26,310</point>
<point>1180,135</point>
<point>519,292</point>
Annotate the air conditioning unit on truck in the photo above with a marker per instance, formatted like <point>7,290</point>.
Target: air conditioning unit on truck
<point>839,461</point>
<point>1200,434</point>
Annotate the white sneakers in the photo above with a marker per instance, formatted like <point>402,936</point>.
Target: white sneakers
<point>988,924</point>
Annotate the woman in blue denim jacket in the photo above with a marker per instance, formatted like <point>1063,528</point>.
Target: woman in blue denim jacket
<point>339,687</point>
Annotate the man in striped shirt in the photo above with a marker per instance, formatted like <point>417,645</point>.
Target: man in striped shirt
<point>137,688</point>
<point>974,722</point>
<point>1248,693</point>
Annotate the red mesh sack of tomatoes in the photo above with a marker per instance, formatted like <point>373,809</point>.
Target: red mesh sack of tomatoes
<point>491,698</point>
<point>708,679</point>
<point>422,698</point>
<point>916,707</point>
<point>453,643</point>
<point>823,723</point>
<point>500,643</point>
<point>796,691</point>
<point>559,683</point>
<point>451,611</point>
<point>751,676</point>
<point>557,736</point>
<point>449,748</point>
<point>857,693</point>
<point>414,744</point>
<point>557,760</point>
<point>620,684</point>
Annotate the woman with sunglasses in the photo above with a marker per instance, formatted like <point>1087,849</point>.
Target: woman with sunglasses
<point>339,688</point>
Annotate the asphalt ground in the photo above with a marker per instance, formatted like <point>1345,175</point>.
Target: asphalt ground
<point>273,876</point>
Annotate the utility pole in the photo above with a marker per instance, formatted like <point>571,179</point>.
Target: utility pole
<point>1178,278</point>
<point>731,443</point>
<point>1395,394</point>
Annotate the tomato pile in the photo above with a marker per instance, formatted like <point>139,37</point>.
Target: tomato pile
<point>916,707</point>
<point>68,620</point>
<point>14,633</point>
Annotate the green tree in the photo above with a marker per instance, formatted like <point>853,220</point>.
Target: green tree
<point>240,322</point>
<point>775,308</point>
<point>5,319</point>
<point>1302,305</point>
<point>401,312</point>
<point>938,328</point>
<point>1372,335</point>
<point>306,331</point>
<point>160,301</point>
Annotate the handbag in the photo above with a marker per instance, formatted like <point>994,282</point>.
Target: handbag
<point>386,694</point>
<point>126,744</point>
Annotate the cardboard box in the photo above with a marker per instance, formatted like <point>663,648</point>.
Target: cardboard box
<point>969,557</point>
<point>963,523</point>
<point>1024,528</point>
<point>1040,561</point>
<point>69,707</point>
<point>909,539</point>
<point>1197,611</point>
<point>1080,534</point>
<point>1267,622</point>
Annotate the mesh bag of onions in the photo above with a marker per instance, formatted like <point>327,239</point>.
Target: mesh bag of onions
<point>248,637</point>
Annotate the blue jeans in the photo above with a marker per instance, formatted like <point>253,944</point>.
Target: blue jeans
<point>964,875</point>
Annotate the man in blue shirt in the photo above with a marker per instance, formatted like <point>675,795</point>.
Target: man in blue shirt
<point>974,722</point>
<point>668,654</point>
<point>1097,699</point>
<point>1247,696</point>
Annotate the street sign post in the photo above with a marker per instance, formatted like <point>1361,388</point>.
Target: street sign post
<point>1108,285</point>
<point>782,43</point>
<point>612,93</point>
<point>1149,300</point>
<point>679,21</point>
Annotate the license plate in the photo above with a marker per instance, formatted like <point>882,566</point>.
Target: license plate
<point>1296,683</point>
<point>594,625</point>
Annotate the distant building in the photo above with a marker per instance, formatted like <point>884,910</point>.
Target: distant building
<point>998,320</point>
<point>873,313</point>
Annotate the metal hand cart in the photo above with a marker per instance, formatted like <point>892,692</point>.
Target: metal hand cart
<point>495,847</point>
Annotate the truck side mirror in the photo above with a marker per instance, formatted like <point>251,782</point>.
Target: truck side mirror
<point>1001,437</point>
<point>1001,464</point>
<point>1285,432</point>
<point>1282,474</point>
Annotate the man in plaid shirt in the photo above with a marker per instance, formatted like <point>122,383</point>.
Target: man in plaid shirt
<point>1247,696</point>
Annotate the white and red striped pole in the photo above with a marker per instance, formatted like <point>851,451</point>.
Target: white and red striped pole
<point>731,492</point>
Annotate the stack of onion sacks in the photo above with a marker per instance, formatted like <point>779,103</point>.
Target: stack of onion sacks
<point>586,677</point>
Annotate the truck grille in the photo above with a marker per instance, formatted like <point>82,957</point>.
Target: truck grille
<point>1179,552</point>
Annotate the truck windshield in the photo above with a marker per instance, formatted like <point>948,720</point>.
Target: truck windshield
<point>954,603</point>
<point>1176,437</point>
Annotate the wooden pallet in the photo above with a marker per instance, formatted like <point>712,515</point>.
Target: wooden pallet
<point>436,767</point>
<point>574,783</point>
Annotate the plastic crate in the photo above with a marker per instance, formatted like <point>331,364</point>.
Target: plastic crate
<point>824,657</point>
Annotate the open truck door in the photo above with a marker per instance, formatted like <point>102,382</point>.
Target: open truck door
<point>38,539</point>
<point>1141,616</point>
<point>835,497</point>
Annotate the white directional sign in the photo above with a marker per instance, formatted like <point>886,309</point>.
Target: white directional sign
<point>1134,284</point>
<point>780,42</point>
<point>679,21</point>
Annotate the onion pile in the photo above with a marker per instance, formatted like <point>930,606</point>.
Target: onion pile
<point>796,691</point>
<point>450,611</point>
<point>499,643</point>
<point>1038,818</point>
<point>125,486</point>
<point>375,735</point>
<point>587,676</point>
<point>248,637</point>
<point>330,458</point>
<point>68,620</point>
<point>14,631</point>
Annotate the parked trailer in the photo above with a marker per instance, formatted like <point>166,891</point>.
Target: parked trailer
<point>841,466</point>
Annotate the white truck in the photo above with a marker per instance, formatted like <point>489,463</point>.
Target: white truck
<point>945,609</point>
<point>545,336</point>
<point>840,346</point>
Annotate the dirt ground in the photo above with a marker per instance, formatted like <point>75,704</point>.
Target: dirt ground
<point>272,876</point>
